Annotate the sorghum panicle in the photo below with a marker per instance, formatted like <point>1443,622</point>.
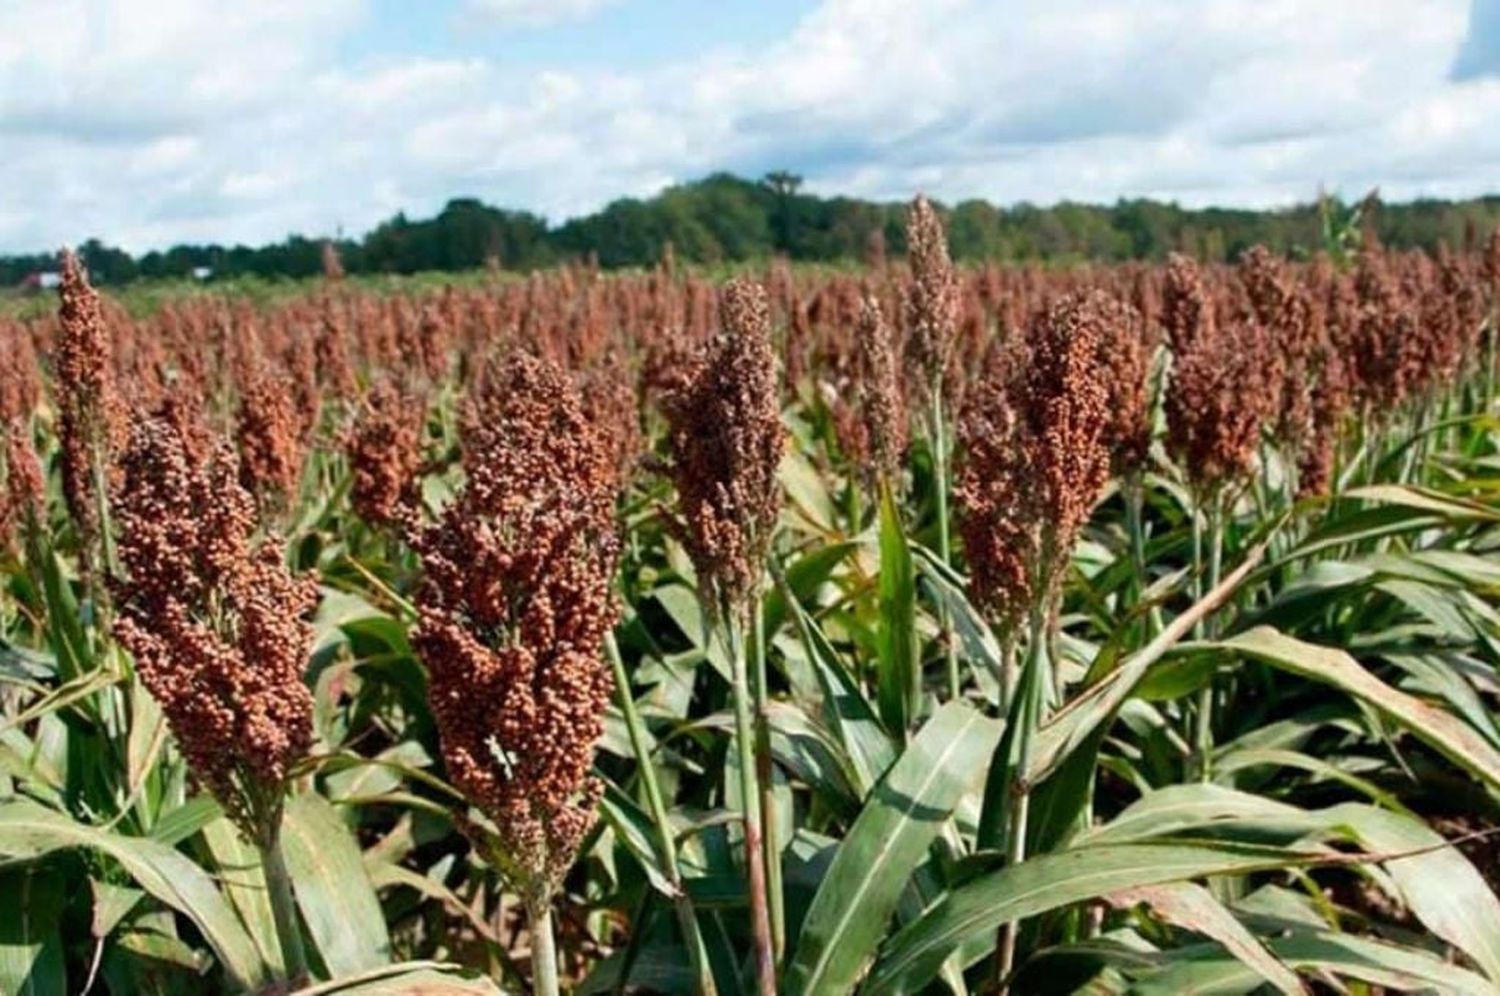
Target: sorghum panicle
<point>1034,455</point>
<point>1127,351</point>
<point>269,434</point>
<point>1222,383</point>
<point>1067,407</point>
<point>932,299</point>
<point>89,417</point>
<point>878,388</point>
<point>216,623</point>
<point>513,610</point>
<point>992,491</point>
<point>25,491</point>
<point>386,452</point>
<point>726,439</point>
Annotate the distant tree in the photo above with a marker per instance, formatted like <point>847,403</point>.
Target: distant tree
<point>726,218</point>
<point>783,186</point>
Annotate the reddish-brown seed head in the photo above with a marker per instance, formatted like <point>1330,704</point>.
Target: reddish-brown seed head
<point>932,299</point>
<point>726,439</point>
<point>515,605</point>
<point>215,621</point>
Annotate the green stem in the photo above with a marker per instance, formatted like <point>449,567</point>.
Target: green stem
<point>101,499</point>
<point>945,547</point>
<point>666,844</point>
<point>543,946</point>
<point>283,908</point>
<point>1027,713</point>
<point>1489,361</point>
<point>1135,504</point>
<point>1204,734</point>
<point>854,506</point>
<point>765,776</point>
<point>755,869</point>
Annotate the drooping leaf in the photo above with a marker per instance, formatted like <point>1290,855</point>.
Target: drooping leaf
<point>332,887</point>
<point>873,863</point>
<point>976,909</point>
<point>31,948</point>
<point>29,831</point>
<point>1440,730</point>
<point>1192,907</point>
<point>899,688</point>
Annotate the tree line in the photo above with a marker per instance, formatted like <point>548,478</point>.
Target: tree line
<point>729,219</point>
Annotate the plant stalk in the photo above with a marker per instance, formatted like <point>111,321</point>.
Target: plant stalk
<point>765,777</point>
<point>939,433</point>
<point>1203,740</point>
<point>1027,715</point>
<point>666,844</point>
<point>1135,525</point>
<point>755,869</point>
<point>543,946</point>
<point>283,908</point>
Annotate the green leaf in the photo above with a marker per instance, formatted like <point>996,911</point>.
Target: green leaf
<point>803,577</point>
<point>181,822</point>
<point>430,978</point>
<point>900,679</point>
<point>333,889</point>
<point>888,840</point>
<point>633,828</point>
<point>846,711</point>
<point>977,909</point>
<point>238,865</point>
<point>976,639</point>
<point>29,831</point>
<point>31,951</point>
<point>1192,907</point>
<point>1058,802</point>
<point>1440,886</point>
<point>1175,808</point>
<point>1440,730</point>
<point>1393,966</point>
<point>1435,881</point>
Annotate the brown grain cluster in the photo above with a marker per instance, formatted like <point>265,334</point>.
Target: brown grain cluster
<point>932,300</point>
<point>611,402</point>
<point>726,440</point>
<point>20,374</point>
<point>88,410</point>
<point>878,391</point>
<point>215,621</point>
<point>269,429</point>
<point>1294,322</point>
<point>1128,348</point>
<point>25,487</point>
<point>1224,383</point>
<point>386,452</point>
<point>1035,455</point>
<point>513,610</point>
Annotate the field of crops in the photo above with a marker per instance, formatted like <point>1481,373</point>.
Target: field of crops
<point>913,629</point>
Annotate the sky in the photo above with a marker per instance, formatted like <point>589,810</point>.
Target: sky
<point>151,122</point>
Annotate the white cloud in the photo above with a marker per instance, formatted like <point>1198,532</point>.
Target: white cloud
<point>531,13</point>
<point>146,122</point>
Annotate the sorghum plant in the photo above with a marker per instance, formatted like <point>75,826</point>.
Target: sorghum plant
<point>216,624</point>
<point>1036,456</point>
<point>726,440</point>
<point>514,610</point>
<point>932,326</point>
<point>1225,382</point>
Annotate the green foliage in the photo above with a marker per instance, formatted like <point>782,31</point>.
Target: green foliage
<point>727,219</point>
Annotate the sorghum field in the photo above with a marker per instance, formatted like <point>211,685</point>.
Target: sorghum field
<point>907,630</point>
